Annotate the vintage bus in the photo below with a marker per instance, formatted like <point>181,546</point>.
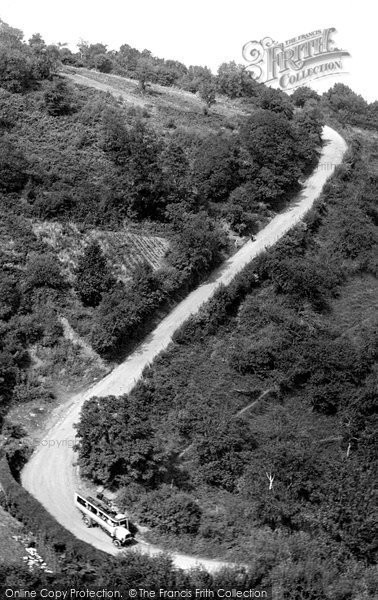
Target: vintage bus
<point>95,513</point>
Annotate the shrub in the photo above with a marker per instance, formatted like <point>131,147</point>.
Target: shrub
<point>13,167</point>
<point>42,270</point>
<point>170,511</point>
<point>222,453</point>
<point>59,99</point>
<point>305,279</point>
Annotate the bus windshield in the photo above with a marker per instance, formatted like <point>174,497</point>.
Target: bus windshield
<point>123,523</point>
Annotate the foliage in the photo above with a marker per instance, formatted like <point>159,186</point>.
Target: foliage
<point>170,511</point>
<point>22,65</point>
<point>135,153</point>
<point>345,102</point>
<point>302,94</point>
<point>43,270</point>
<point>304,279</point>
<point>266,381</point>
<point>28,510</point>
<point>235,82</point>
<point>221,452</point>
<point>272,144</point>
<point>275,101</point>
<point>123,453</point>
<point>93,276</point>
<point>13,167</point>
<point>258,385</point>
<point>103,63</point>
<point>122,313</point>
<point>59,98</point>
<point>206,92</point>
<point>215,168</point>
<point>196,247</point>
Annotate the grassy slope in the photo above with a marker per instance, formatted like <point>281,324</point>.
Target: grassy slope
<point>165,104</point>
<point>11,551</point>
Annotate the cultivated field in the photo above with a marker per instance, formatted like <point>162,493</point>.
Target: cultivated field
<point>124,249</point>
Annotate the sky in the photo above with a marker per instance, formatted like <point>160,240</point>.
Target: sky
<point>206,32</point>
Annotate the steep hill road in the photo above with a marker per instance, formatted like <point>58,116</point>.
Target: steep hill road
<point>50,474</point>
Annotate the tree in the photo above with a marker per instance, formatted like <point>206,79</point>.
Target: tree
<point>235,82</point>
<point>308,124</point>
<point>230,79</point>
<point>302,94</point>
<point>10,36</point>
<point>242,221</point>
<point>103,63</point>
<point>275,101</point>
<point>271,141</point>
<point>144,73</point>
<point>16,70</point>
<point>90,52</point>
<point>127,59</point>
<point>135,151</point>
<point>349,106</point>
<point>21,65</point>
<point>206,92</point>
<point>93,275</point>
<point>46,58</point>
<point>59,98</point>
<point>197,246</point>
<point>269,138</point>
<point>122,311</point>
<point>215,170</point>
<point>67,57</point>
<point>116,442</point>
<point>143,173</point>
<point>195,77</point>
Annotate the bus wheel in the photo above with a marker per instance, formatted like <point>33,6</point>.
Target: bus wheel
<point>87,521</point>
<point>116,543</point>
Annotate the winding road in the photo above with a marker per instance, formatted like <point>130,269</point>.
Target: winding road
<point>51,476</point>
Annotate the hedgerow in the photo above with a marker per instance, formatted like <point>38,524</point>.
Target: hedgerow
<point>26,509</point>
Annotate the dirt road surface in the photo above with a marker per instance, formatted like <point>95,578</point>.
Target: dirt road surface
<point>50,474</point>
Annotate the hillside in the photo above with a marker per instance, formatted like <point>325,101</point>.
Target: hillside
<point>166,106</point>
<point>126,181</point>
<point>135,435</point>
<point>112,210</point>
<point>263,411</point>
